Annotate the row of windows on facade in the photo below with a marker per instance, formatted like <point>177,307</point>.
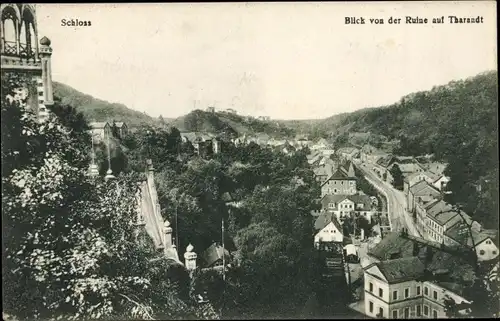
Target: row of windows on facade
<point>406,311</point>
<point>344,206</point>
<point>439,238</point>
<point>406,292</point>
<point>335,191</point>
<point>341,182</point>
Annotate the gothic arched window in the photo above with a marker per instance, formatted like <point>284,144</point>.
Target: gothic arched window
<point>28,35</point>
<point>10,23</point>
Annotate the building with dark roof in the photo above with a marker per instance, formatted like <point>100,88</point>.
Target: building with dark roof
<point>416,177</point>
<point>100,130</point>
<point>419,189</point>
<point>485,241</point>
<point>347,205</point>
<point>340,182</point>
<point>122,128</point>
<point>212,256</point>
<point>411,277</point>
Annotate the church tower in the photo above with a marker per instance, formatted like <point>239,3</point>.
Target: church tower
<point>21,54</point>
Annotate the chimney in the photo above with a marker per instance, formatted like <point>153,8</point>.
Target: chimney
<point>190,258</point>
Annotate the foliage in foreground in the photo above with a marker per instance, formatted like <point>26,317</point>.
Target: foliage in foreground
<point>70,245</point>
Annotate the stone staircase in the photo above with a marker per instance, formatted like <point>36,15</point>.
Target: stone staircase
<point>149,216</point>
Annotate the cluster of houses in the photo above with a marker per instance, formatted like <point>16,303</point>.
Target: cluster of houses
<point>410,277</point>
<point>340,198</point>
<point>287,146</point>
<point>440,222</point>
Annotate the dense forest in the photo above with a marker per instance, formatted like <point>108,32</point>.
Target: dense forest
<point>224,122</point>
<point>270,233</point>
<point>95,109</point>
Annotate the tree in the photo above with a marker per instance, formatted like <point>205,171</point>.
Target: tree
<point>485,300</point>
<point>71,249</point>
<point>397,176</point>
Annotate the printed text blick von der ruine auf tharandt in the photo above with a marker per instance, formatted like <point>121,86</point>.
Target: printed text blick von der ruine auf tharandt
<point>414,20</point>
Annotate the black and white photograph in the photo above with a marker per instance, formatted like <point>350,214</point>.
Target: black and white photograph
<point>249,160</point>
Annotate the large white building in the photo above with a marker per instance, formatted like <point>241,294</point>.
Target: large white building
<point>349,205</point>
<point>411,278</point>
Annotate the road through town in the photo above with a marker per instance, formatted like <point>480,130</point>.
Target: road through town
<point>396,202</point>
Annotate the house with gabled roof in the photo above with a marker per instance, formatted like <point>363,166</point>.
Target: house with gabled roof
<point>328,229</point>
<point>100,130</point>
<point>440,182</point>
<point>410,278</point>
<point>422,203</point>
<point>348,206</point>
<point>422,188</point>
<point>485,240</point>
<point>436,168</point>
<point>339,182</point>
<point>122,128</point>
<point>440,217</point>
<point>416,177</point>
<point>212,256</point>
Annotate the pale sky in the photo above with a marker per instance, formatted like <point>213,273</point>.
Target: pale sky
<point>284,60</point>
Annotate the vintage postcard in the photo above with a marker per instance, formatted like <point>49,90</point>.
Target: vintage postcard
<point>258,160</point>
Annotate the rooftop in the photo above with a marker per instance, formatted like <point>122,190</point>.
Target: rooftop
<point>423,188</point>
<point>401,270</point>
<point>214,253</point>
<point>324,219</point>
<point>446,266</point>
<point>98,124</point>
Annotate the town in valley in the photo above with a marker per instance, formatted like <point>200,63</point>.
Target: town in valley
<point>110,213</point>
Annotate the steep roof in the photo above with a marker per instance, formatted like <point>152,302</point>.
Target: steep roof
<point>361,199</point>
<point>119,124</point>
<point>423,188</point>
<point>402,269</point>
<point>356,199</point>
<point>324,219</point>
<point>386,160</point>
<point>456,230</point>
<point>96,125</point>
<point>426,200</point>
<point>433,177</point>
<point>435,259</point>
<point>392,243</point>
<point>214,253</point>
<point>443,213</point>
<point>409,168</point>
<point>327,199</point>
